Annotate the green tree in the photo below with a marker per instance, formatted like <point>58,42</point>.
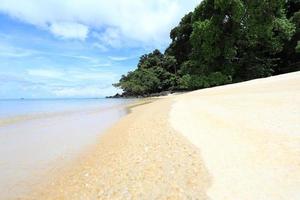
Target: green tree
<point>298,47</point>
<point>290,56</point>
<point>265,31</point>
<point>139,82</point>
<point>216,31</point>
<point>151,59</point>
<point>180,46</point>
<point>155,73</point>
<point>221,42</point>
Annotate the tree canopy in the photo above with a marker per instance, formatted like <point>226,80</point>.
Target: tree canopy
<point>221,42</point>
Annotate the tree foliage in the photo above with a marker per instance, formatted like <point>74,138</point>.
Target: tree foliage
<point>155,73</point>
<point>180,46</point>
<point>220,42</point>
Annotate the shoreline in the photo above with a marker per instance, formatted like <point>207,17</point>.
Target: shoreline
<point>18,118</point>
<point>127,162</point>
<point>237,141</point>
<point>38,146</point>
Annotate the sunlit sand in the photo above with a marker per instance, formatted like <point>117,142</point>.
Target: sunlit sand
<point>241,142</point>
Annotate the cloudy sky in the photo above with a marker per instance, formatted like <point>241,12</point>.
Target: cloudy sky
<point>78,48</point>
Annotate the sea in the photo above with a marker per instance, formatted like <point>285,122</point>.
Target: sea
<point>35,134</point>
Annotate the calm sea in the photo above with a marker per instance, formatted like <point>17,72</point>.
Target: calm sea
<point>37,134</point>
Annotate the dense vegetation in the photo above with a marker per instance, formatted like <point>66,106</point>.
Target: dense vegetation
<point>221,42</point>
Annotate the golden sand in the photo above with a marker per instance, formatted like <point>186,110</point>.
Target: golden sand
<point>141,157</point>
<point>248,135</point>
<point>242,142</point>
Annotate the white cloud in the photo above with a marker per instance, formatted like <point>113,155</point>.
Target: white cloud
<point>91,76</point>
<point>107,64</point>
<point>14,52</point>
<point>119,58</point>
<point>102,47</point>
<point>85,91</point>
<point>45,73</point>
<point>117,21</point>
<point>69,30</point>
<point>69,83</point>
<point>73,75</point>
<point>110,37</point>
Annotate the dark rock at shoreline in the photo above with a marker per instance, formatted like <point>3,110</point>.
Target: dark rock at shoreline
<point>158,94</point>
<point>115,96</point>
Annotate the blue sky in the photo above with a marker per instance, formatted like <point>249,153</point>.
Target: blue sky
<point>78,48</point>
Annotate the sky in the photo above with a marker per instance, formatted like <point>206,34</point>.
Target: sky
<point>78,48</point>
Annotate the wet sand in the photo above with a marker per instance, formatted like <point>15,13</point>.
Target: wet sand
<point>36,143</point>
<point>239,141</point>
<point>141,157</point>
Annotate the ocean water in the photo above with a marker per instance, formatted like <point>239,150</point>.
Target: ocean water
<point>35,135</point>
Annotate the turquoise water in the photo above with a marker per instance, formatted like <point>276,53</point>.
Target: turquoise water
<point>15,107</point>
<point>35,135</point>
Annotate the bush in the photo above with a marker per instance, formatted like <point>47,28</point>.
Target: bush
<point>298,47</point>
<point>192,82</point>
<point>139,82</point>
<point>217,78</point>
<point>184,82</point>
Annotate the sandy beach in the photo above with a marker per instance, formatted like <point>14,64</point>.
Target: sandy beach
<point>141,157</point>
<point>239,141</point>
<point>248,135</point>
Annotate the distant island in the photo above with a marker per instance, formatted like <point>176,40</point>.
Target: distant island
<point>218,44</point>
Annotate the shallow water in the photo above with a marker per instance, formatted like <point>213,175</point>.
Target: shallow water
<point>35,134</point>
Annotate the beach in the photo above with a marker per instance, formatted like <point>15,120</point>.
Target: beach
<point>240,141</point>
<point>40,136</point>
<point>149,100</point>
<point>248,135</point>
<point>141,157</point>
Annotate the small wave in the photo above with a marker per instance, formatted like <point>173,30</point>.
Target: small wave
<point>23,118</point>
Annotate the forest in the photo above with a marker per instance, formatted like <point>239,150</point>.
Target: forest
<point>221,42</point>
